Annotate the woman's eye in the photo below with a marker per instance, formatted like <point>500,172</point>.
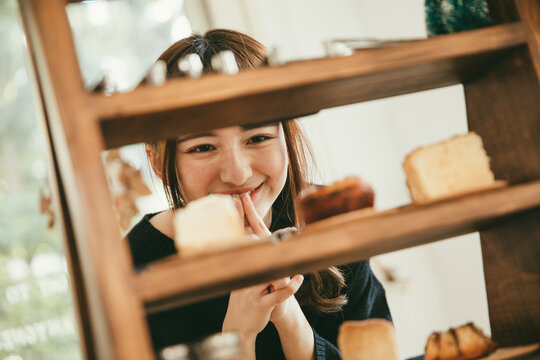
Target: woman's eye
<point>258,139</point>
<point>201,149</point>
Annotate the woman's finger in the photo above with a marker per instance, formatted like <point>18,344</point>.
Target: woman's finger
<point>239,206</point>
<point>267,287</point>
<point>285,230</point>
<point>254,220</point>
<point>257,290</point>
<point>282,234</point>
<point>282,294</point>
<point>279,284</point>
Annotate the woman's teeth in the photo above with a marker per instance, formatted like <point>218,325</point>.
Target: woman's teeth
<point>247,192</point>
<point>240,195</point>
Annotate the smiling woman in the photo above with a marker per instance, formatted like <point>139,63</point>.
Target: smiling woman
<point>235,160</point>
<point>266,166</point>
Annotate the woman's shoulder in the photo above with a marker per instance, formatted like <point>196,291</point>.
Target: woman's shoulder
<point>149,241</point>
<point>352,271</point>
<point>365,294</point>
<point>359,279</point>
<point>163,222</point>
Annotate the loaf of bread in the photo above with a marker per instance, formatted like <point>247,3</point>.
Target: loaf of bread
<point>368,340</point>
<point>209,223</point>
<point>462,343</point>
<point>454,166</point>
<point>349,194</point>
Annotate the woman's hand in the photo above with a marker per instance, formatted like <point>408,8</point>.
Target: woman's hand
<point>287,308</point>
<point>249,310</point>
<point>259,229</point>
<point>254,220</point>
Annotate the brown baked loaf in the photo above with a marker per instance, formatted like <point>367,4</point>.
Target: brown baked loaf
<point>368,340</point>
<point>462,343</point>
<point>349,194</point>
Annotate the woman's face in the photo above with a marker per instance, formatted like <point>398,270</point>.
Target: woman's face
<point>235,160</point>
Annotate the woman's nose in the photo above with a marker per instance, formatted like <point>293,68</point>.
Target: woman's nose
<point>235,167</point>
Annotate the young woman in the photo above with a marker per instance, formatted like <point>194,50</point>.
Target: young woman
<point>265,166</point>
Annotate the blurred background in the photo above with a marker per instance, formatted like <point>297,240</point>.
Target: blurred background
<point>429,288</point>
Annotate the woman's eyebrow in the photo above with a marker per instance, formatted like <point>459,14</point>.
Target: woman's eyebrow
<point>193,136</point>
<point>212,134</point>
<point>256,126</point>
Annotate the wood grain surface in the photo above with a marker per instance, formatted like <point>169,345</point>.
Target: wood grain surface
<point>299,88</point>
<point>503,107</point>
<point>502,11</point>
<point>512,352</point>
<point>338,240</point>
<point>529,10</point>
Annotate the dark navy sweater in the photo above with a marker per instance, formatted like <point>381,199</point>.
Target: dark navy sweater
<point>366,299</point>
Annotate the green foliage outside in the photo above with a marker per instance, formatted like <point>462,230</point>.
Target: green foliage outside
<point>448,16</point>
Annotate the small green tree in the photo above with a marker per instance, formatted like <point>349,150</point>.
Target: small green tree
<point>448,16</point>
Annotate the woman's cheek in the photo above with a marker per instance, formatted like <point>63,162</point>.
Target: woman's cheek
<point>195,179</point>
<point>273,163</point>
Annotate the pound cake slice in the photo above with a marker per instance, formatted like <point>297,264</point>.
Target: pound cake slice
<point>209,223</point>
<point>454,166</point>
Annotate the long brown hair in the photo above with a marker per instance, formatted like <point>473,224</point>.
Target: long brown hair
<point>323,290</point>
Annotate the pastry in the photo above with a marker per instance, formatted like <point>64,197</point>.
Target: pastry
<point>462,343</point>
<point>349,194</point>
<point>457,165</point>
<point>367,340</point>
<point>211,222</point>
<point>472,341</point>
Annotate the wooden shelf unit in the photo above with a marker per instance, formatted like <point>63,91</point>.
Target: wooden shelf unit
<point>338,240</point>
<point>496,66</point>
<point>302,87</point>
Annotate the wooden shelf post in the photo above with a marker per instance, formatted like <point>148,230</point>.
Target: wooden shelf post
<point>503,106</point>
<point>112,312</point>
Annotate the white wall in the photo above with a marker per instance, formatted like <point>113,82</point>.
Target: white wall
<point>440,284</point>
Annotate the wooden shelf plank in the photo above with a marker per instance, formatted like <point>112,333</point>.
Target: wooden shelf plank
<point>338,240</point>
<point>529,10</point>
<point>299,88</point>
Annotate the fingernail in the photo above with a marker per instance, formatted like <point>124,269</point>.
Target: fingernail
<point>283,234</point>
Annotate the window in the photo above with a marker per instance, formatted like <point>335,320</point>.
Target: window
<point>120,39</point>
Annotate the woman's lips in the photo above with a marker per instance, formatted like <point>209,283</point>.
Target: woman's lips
<point>239,191</point>
<point>255,192</point>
